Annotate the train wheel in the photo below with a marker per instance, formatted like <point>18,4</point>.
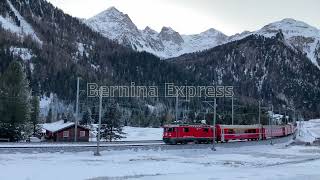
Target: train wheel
<point>173,142</point>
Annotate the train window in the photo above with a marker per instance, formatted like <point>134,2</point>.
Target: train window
<point>170,129</point>
<point>185,129</point>
<point>251,131</point>
<point>206,130</point>
<point>239,131</point>
<point>230,131</point>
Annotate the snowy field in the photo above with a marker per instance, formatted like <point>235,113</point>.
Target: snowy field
<point>140,134</point>
<point>254,162</point>
<point>135,133</point>
<point>309,130</point>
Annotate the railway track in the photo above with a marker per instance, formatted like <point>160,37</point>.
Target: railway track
<point>123,145</point>
<point>74,144</point>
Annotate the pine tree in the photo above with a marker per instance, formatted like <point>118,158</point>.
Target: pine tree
<point>86,118</point>
<point>35,103</point>
<point>49,116</point>
<point>15,103</point>
<point>111,125</point>
<point>70,115</point>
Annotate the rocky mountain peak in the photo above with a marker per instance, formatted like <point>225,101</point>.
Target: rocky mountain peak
<point>150,31</point>
<point>291,27</point>
<point>113,24</point>
<point>211,31</point>
<point>114,14</point>
<point>297,34</point>
<point>113,10</point>
<point>168,34</point>
<point>118,26</point>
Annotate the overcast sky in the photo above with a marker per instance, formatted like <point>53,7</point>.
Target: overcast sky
<point>195,16</point>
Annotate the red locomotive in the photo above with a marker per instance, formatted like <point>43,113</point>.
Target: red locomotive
<point>174,134</point>
<point>183,134</point>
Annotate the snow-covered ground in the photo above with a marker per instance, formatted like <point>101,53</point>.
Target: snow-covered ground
<point>260,162</point>
<point>308,131</point>
<point>254,162</point>
<point>139,134</point>
<point>134,133</point>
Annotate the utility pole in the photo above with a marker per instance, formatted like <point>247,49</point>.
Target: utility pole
<point>285,116</point>
<point>259,117</point>
<point>183,110</point>
<point>97,153</point>
<point>232,113</point>
<point>77,112</point>
<point>300,123</point>
<point>280,115</point>
<point>214,106</point>
<point>271,142</point>
<point>294,116</point>
<point>177,106</point>
<point>214,123</point>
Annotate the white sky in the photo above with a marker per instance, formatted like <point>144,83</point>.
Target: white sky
<point>195,16</point>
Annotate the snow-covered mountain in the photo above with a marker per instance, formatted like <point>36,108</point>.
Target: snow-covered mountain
<point>168,43</point>
<point>258,66</point>
<point>297,34</point>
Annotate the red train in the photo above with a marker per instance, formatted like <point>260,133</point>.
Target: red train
<point>183,134</point>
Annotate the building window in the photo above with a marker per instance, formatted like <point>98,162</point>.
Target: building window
<point>65,134</point>
<point>82,133</point>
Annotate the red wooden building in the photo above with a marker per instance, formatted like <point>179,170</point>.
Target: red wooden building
<point>64,132</point>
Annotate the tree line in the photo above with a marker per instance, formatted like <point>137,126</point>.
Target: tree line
<point>19,109</point>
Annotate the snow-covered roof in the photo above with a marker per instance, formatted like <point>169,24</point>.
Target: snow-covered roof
<point>59,125</point>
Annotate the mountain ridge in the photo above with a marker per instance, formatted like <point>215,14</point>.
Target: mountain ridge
<point>256,64</point>
<point>164,44</point>
<point>262,68</point>
<point>169,44</point>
